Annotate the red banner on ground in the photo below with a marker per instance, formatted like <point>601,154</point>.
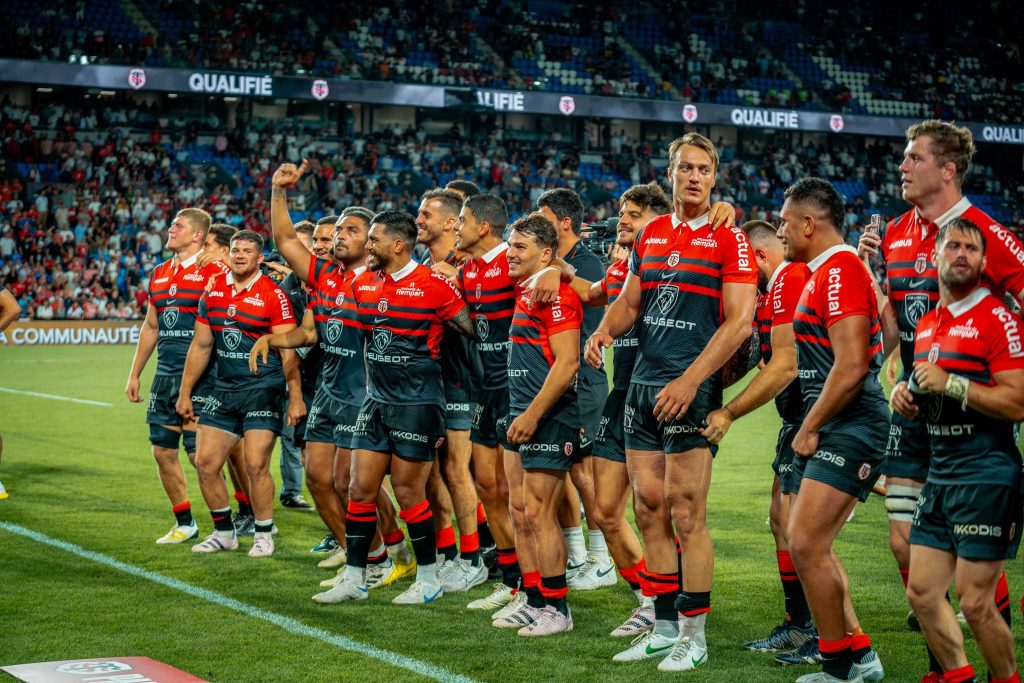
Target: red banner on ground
<point>101,670</point>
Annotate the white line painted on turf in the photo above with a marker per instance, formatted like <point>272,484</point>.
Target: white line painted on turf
<point>54,397</point>
<point>287,623</point>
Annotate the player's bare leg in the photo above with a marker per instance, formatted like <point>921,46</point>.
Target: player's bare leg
<point>442,507</point>
<point>320,478</point>
<point>212,448</point>
<point>492,489</point>
<point>526,607</point>
<point>611,494</point>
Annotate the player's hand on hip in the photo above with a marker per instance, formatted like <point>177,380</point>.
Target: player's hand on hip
<point>296,410</point>
<point>868,245</point>
<point>287,175</point>
<point>260,348</point>
<point>593,350</point>
<point>185,408</point>
<point>805,443</point>
<point>716,424</point>
<point>674,399</point>
<point>132,390</point>
<point>903,401</point>
<point>931,377</point>
<point>522,429</point>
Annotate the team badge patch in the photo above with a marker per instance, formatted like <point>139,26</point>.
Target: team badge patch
<point>864,472</point>
<point>479,292</point>
<point>667,295</point>
<point>382,306</point>
<point>339,300</point>
<point>334,328</point>
<point>232,310</point>
<point>381,338</point>
<point>921,264</point>
<point>232,337</point>
<point>172,290</point>
<point>568,448</point>
<point>933,353</point>
<point>673,259</point>
<point>915,306</point>
<point>170,316</point>
<point>482,328</point>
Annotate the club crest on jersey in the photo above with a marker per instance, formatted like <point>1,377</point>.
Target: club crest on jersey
<point>381,338</point>
<point>382,306</point>
<point>172,290</point>
<point>232,310</point>
<point>334,328</point>
<point>921,264</point>
<point>864,472</point>
<point>339,300</point>
<point>667,295</point>
<point>232,337</point>
<point>482,328</point>
<point>915,306</point>
<point>170,316</point>
<point>673,259</point>
<point>933,353</point>
<point>479,292</point>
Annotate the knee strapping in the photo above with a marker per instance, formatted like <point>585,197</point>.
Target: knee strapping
<point>163,437</point>
<point>188,440</point>
<point>901,501</point>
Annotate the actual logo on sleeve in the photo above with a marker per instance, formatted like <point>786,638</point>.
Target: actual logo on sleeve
<point>915,306</point>
<point>567,105</point>
<point>320,90</point>
<point>483,327</point>
<point>381,338</point>
<point>232,337</point>
<point>689,113</point>
<point>921,264</point>
<point>334,328</point>
<point>673,259</point>
<point>933,353</point>
<point>170,316</point>
<point>667,296</point>
<point>137,78</point>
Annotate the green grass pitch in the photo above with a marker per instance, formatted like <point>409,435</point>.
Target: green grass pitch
<point>83,474</point>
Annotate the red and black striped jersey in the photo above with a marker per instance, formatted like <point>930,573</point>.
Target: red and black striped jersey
<point>839,286</point>
<point>237,318</point>
<point>404,314</point>
<point>777,307</point>
<point>339,330</point>
<point>460,362</point>
<point>913,279</point>
<point>976,337</point>
<point>491,297</point>
<point>175,289</point>
<point>625,346</point>
<point>530,358</point>
<point>682,267</point>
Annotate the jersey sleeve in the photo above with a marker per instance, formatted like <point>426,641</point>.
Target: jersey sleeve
<point>281,310</point>
<point>847,292</point>
<point>1005,261</point>
<point>203,315</point>
<point>786,295</point>
<point>564,313</point>
<point>737,257</point>
<point>316,269</point>
<point>637,254</point>
<point>449,300</point>
<point>1005,351</point>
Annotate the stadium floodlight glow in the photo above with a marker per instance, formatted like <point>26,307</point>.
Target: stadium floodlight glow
<point>83,60</point>
<point>230,99</point>
<point>107,93</point>
<point>172,95</point>
<point>44,89</point>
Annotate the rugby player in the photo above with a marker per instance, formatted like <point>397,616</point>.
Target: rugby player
<point>232,315</point>
<point>838,446</point>
<point>968,376</point>
<point>9,312</point>
<point>690,290</point>
<point>403,307</point>
<point>464,188</point>
<point>564,208</point>
<point>489,291</point>
<point>175,288</point>
<point>460,366</point>
<point>936,160</point>
<point>780,284</point>
<point>541,432</point>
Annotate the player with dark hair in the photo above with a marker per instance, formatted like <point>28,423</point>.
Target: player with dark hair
<point>175,288</point>
<point>9,312</point>
<point>235,312</point>
<point>463,188</point>
<point>967,385</point>
<point>542,431</point>
<point>780,283</point>
<point>838,446</point>
<point>690,291</point>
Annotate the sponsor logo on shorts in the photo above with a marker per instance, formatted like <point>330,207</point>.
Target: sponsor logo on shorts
<point>457,407</point>
<point>828,456</point>
<point>785,469</point>
<point>408,436</point>
<point>990,530</point>
<point>680,429</point>
<point>541,448</point>
<point>264,413</point>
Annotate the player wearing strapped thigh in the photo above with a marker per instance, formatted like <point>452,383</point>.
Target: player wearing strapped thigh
<point>403,307</point>
<point>9,312</point>
<point>460,365</point>
<point>690,292</point>
<point>838,447</point>
<point>175,288</point>
<point>937,158</point>
<point>967,385</point>
<point>489,291</point>
<point>542,430</point>
<point>780,284</point>
<point>232,315</point>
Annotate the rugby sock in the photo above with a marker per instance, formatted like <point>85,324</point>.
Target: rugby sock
<point>393,537</point>
<point>360,525</point>
<point>665,589</point>
<point>420,522</point>
<point>835,657</point>
<point>531,585</point>
<point>631,575</point>
<point>378,555</point>
<point>797,609</point>
<point>905,577</point>
<point>964,674</point>
<point>1003,600</point>
<point>446,543</point>
<point>183,513</point>
<point>222,522</point>
<point>244,505</point>
<point>860,645</point>
<point>574,544</point>
<point>508,563</point>
<point>1014,678</point>
<point>486,538</point>
<point>598,547</point>
<point>554,589</point>
<point>469,547</point>
<point>265,526</point>
<point>693,607</point>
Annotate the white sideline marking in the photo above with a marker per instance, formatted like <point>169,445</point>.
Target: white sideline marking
<point>287,623</point>
<point>83,401</point>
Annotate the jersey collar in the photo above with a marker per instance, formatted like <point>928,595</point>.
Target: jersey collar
<point>252,281</point>
<point>957,210</point>
<point>356,272</point>
<point>820,259</point>
<point>775,275</point>
<point>695,224</point>
<point>494,253</point>
<point>958,308</point>
<point>404,271</point>
<point>187,263</point>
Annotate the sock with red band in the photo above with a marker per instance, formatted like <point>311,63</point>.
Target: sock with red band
<point>244,506</point>
<point>508,563</point>
<point>183,514</point>
<point>531,586</point>
<point>360,525</point>
<point>792,590</point>
<point>482,528</point>
<point>964,674</point>
<point>469,547</point>
<point>835,658</point>
<point>446,543</point>
<point>554,589</point>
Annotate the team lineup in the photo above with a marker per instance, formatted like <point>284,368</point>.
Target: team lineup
<point>447,370</point>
